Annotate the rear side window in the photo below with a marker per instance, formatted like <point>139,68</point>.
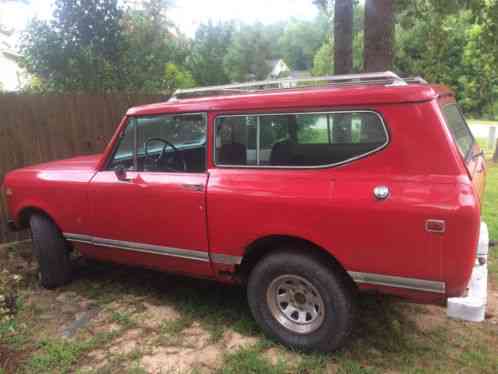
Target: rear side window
<point>297,139</point>
<point>458,128</point>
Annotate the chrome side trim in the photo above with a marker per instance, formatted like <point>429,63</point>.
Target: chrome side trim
<point>79,238</point>
<point>398,282</point>
<point>140,247</point>
<point>220,258</point>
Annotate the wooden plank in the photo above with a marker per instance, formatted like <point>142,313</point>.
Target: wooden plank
<point>36,128</point>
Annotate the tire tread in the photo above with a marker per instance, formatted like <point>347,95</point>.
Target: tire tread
<point>51,251</point>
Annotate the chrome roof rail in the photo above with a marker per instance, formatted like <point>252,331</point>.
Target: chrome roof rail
<point>417,79</point>
<point>387,78</point>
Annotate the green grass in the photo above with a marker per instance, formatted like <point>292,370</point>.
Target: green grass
<point>482,122</point>
<point>490,214</point>
<point>176,326</point>
<point>58,355</point>
<point>490,211</point>
<point>123,318</point>
<point>484,144</point>
<point>251,361</point>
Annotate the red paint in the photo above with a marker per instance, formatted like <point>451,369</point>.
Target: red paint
<point>333,208</point>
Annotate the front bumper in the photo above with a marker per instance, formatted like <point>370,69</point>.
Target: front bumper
<point>472,307</point>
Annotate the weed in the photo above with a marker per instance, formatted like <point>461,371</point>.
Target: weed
<point>122,318</point>
<point>251,361</point>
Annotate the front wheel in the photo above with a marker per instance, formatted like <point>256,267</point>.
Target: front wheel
<point>51,251</point>
<point>301,302</point>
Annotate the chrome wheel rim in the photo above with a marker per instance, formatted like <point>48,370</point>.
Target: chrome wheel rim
<point>295,303</point>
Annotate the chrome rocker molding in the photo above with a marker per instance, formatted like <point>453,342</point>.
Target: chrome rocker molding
<point>155,249</point>
<point>219,258</point>
<point>399,282</point>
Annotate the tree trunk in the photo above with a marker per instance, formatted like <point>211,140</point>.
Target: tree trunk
<point>379,35</point>
<point>343,37</point>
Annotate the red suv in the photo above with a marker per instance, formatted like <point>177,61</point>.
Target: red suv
<point>305,192</point>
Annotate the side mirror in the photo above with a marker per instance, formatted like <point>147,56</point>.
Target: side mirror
<point>121,172</point>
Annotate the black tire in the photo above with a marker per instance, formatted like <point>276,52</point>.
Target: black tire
<point>51,251</point>
<point>333,289</point>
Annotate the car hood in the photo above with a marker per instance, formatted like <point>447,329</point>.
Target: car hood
<point>77,169</point>
<point>81,163</point>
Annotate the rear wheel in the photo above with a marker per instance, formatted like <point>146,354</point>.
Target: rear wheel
<point>51,251</point>
<point>301,302</point>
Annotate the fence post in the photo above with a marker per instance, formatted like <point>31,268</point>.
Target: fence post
<point>491,136</point>
<point>495,155</point>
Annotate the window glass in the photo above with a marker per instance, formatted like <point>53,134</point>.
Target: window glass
<point>313,129</point>
<point>123,156</point>
<point>164,143</point>
<point>303,139</point>
<point>459,129</point>
<point>181,131</point>
<point>236,140</point>
<point>273,129</point>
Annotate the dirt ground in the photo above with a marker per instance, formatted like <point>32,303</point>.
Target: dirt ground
<point>114,319</point>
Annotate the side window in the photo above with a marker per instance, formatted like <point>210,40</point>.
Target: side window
<point>236,140</point>
<point>458,128</point>
<point>123,155</point>
<point>163,143</point>
<point>301,139</point>
<point>274,129</point>
<point>313,129</point>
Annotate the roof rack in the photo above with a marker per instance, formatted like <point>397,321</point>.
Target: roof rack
<point>387,78</point>
<point>419,80</point>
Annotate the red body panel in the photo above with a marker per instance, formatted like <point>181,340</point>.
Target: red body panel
<point>154,208</point>
<point>58,188</point>
<point>333,207</point>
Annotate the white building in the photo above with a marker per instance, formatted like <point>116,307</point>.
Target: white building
<point>13,18</point>
<point>10,72</point>
<point>278,69</point>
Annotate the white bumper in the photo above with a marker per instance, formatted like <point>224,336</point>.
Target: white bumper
<point>473,306</point>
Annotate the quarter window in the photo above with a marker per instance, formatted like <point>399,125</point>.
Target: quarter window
<point>300,139</point>
<point>458,128</point>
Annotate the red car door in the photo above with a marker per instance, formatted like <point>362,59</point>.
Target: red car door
<point>152,211</point>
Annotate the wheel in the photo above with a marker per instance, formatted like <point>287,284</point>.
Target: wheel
<point>51,251</point>
<point>301,302</point>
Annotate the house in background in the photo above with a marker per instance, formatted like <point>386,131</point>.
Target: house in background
<point>11,74</point>
<point>278,69</point>
<point>300,74</point>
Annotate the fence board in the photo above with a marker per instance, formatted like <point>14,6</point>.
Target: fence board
<point>36,128</point>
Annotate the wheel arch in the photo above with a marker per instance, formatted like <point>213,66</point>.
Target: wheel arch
<point>26,212</point>
<point>264,246</point>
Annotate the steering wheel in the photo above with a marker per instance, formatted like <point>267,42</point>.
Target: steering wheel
<point>157,160</point>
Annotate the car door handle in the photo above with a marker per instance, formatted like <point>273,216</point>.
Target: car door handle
<point>193,187</point>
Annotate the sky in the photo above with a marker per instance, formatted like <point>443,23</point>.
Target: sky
<point>186,14</point>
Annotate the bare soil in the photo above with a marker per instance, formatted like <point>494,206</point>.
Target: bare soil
<point>115,319</point>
